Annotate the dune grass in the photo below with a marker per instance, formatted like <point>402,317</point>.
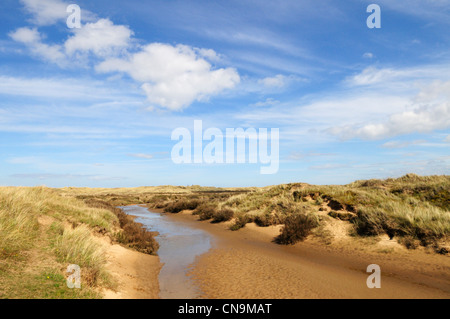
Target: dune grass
<point>41,233</point>
<point>412,209</point>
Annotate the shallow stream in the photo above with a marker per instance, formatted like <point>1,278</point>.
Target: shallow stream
<point>179,245</point>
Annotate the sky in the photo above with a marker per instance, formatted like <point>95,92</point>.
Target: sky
<point>96,106</point>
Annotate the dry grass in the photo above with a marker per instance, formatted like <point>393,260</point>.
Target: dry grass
<point>77,246</point>
<point>68,239</point>
<point>412,207</point>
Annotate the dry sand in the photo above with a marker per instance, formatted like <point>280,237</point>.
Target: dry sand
<point>247,264</point>
<point>135,273</point>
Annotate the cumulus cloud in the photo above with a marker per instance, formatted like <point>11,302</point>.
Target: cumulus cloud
<point>33,40</point>
<point>45,12</point>
<point>173,76</point>
<point>48,12</point>
<point>100,38</point>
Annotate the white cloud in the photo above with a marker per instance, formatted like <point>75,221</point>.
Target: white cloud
<point>33,40</point>
<point>26,35</point>
<point>438,90</point>
<point>328,166</point>
<point>63,88</point>
<point>374,76</point>
<point>296,156</point>
<point>401,144</point>
<point>447,139</point>
<point>100,38</point>
<point>268,102</point>
<point>173,76</point>
<point>48,12</point>
<point>278,81</point>
<point>432,114</point>
<point>368,55</point>
<point>141,155</point>
<point>416,103</point>
<point>208,54</point>
<point>435,10</point>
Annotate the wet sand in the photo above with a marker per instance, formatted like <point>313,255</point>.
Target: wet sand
<point>247,264</point>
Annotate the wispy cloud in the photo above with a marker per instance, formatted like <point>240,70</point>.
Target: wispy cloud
<point>402,144</point>
<point>302,155</point>
<point>331,166</point>
<point>33,40</point>
<point>433,113</point>
<point>141,155</point>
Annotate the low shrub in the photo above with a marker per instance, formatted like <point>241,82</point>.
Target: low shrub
<point>240,222</point>
<point>223,215</point>
<point>409,242</point>
<point>133,234</point>
<point>296,228</point>
<point>182,204</point>
<point>375,223</point>
<point>263,220</point>
<point>205,211</point>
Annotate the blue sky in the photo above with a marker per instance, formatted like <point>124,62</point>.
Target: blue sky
<point>96,106</point>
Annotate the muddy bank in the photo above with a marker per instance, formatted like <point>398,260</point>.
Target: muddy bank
<point>247,264</point>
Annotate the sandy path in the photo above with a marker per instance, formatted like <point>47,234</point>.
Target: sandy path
<point>246,264</point>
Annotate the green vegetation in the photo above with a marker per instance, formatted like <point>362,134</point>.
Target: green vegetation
<point>44,230</point>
